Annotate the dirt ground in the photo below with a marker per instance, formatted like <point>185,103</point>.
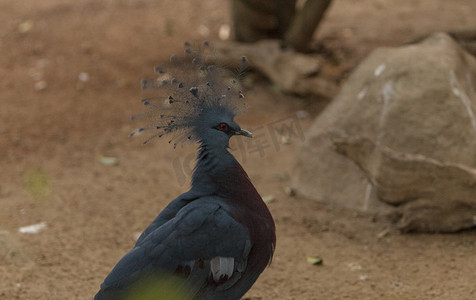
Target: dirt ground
<point>69,81</point>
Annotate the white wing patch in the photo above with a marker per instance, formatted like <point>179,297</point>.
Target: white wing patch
<point>222,268</point>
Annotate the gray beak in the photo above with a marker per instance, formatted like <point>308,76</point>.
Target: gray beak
<point>244,133</point>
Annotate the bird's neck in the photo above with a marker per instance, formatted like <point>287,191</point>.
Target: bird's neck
<point>218,173</point>
<point>212,162</point>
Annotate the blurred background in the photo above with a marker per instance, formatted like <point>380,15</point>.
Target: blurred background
<point>75,190</point>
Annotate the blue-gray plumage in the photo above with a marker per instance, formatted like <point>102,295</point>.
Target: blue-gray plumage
<point>213,241</point>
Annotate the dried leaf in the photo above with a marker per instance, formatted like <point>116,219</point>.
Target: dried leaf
<point>314,260</point>
<point>37,183</point>
<point>268,199</point>
<point>109,161</point>
<point>32,229</point>
<point>383,233</point>
<point>290,191</point>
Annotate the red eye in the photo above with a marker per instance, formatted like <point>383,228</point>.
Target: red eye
<point>223,126</point>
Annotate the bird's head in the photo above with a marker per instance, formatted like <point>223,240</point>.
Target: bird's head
<point>218,127</point>
<point>193,100</point>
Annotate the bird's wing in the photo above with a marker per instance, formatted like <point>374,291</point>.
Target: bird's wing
<point>169,212</point>
<point>202,243</point>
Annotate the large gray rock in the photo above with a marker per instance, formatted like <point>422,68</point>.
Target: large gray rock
<point>400,138</point>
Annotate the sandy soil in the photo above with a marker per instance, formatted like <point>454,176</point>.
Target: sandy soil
<point>69,74</point>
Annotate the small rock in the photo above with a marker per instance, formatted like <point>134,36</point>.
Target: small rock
<point>40,85</point>
<point>25,26</point>
<point>354,266</point>
<point>224,32</point>
<point>363,277</point>
<point>83,77</point>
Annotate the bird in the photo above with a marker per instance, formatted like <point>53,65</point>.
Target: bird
<point>213,241</point>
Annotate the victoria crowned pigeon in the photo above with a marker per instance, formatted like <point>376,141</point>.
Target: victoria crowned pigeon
<point>213,241</point>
